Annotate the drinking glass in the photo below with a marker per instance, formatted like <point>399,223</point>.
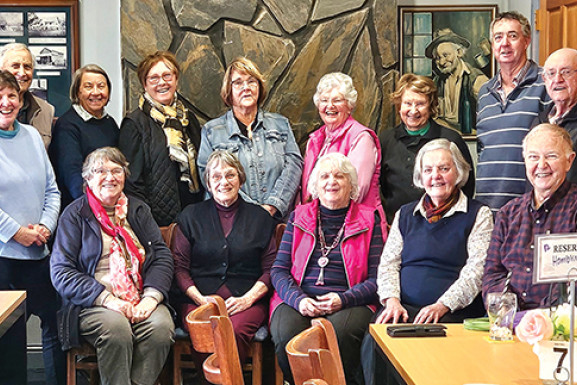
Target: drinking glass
<point>501,308</point>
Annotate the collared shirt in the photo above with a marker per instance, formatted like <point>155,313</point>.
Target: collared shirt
<point>85,115</point>
<point>512,243</point>
<point>516,80</point>
<point>554,118</point>
<point>464,290</point>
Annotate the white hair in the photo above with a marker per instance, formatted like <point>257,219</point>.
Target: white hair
<point>463,168</point>
<point>337,161</point>
<point>343,83</point>
<point>15,47</point>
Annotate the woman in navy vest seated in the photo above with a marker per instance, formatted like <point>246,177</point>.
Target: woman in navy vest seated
<point>226,246</point>
<point>326,265</point>
<point>433,260</point>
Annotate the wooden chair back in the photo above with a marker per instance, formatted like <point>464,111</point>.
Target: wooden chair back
<point>315,381</point>
<point>314,354</point>
<point>223,367</point>
<point>199,326</point>
<point>278,232</point>
<point>167,233</point>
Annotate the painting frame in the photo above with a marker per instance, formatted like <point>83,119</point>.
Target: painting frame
<point>421,28</point>
<point>50,28</point>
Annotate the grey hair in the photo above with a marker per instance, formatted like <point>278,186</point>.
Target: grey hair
<point>554,131</point>
<point>15,47</point>
<point>100,156</point>
<point>463,167</point>
<point>341,163</point>
<point>219,157</point>
<point>343,83</point>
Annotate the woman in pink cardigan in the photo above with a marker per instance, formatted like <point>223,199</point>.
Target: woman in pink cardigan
<point>335,99</point>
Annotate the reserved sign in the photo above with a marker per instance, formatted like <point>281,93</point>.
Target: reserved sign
<point>555,258</point>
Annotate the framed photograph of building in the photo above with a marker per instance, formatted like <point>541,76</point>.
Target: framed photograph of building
<point>450,44</point>
<point>50,29</point>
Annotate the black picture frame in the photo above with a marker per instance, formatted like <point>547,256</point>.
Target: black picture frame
<point>50,29</point>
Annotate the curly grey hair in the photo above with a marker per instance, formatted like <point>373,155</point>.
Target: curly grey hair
<point>343,83</point>
<point>341,163</point>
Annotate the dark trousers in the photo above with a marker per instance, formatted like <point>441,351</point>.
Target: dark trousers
<point>350,326</point>
<point>41,300</point>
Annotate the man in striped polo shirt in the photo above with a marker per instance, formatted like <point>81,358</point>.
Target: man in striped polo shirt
<point>507,105</point>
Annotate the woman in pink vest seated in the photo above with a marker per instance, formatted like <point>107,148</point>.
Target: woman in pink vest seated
<point>336,97</point>
<point>327,263</point>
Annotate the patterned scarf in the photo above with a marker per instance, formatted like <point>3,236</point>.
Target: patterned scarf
<point>181,150</point>
<point>436,213</point>
<point>124,269</point>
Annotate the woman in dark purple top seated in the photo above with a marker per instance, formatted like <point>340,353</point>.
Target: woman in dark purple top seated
<point>225,246</point>
<point>327,264</point>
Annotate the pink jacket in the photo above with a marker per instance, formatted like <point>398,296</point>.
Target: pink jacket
<point>345,141</point>
<point>355,245</point>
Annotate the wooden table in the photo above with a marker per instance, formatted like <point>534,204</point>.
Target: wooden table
<point>463,357</point>
<point>12,337</point>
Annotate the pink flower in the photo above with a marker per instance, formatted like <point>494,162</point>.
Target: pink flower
<point>535,326</point>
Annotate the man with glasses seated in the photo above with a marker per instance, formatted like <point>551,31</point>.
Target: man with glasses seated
<point>560,75</point>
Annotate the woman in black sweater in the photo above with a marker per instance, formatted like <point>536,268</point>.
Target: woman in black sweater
<point>84,128</point>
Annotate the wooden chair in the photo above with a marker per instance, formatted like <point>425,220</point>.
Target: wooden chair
<point>211,331</point>
<point>223,366</point>
<point>82,358</point>
<point>314,354</point>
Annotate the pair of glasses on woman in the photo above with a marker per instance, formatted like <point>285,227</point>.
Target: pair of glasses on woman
<point>155,79</point>
<point>241,84</point>
<point>115,172</point>
<point>229,176</point>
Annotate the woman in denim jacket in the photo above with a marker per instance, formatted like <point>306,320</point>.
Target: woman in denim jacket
<point>262,141</point>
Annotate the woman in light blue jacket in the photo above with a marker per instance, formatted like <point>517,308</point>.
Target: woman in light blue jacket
<point>29,206</point>
<point>263,141</point>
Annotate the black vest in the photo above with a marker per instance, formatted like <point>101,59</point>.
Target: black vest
<point>235,260</point>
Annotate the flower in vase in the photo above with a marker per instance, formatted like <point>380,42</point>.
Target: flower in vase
<point>535,326</point>
<point>562,322</point>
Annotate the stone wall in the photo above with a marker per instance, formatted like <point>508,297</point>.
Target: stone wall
<point>294,43</point>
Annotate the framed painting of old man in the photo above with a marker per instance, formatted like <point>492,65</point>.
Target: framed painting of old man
<point>450,44</point>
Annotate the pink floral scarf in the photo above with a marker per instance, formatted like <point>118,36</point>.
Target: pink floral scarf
<point>124,269</point>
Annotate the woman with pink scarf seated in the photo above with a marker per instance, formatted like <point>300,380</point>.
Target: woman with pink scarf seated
<point>113,271</point>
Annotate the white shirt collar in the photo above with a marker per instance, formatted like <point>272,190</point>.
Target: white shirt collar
<point>85,115</point>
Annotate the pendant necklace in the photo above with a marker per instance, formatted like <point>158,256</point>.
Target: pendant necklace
<point>325,250</point>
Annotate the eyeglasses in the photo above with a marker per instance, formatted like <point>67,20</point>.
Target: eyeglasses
<point>229,176</point>
<point>334,102</point>
<point>240,84</point>
<point>155,79</point>
<point>565,73</point>
<point>115,172</point>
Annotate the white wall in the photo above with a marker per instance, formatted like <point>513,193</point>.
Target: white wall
<point>100,44</point>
